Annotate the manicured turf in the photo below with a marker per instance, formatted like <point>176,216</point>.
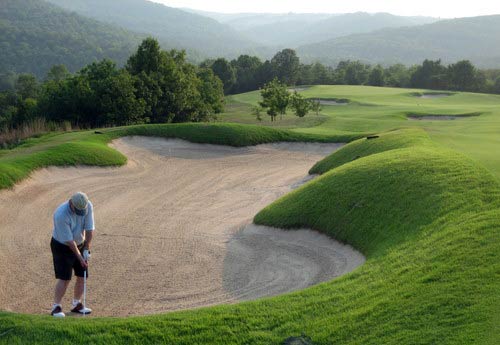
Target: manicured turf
<point>426,217</point>
<point>376,109</point>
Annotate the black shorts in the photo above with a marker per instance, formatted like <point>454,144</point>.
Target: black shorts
<point>65,261</point>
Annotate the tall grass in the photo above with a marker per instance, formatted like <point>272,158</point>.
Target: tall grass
<point>11,137</point>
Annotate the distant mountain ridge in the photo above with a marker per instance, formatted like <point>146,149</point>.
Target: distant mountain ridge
<point>474,38</point>
<point>174,28</point>
<point>294,29</point>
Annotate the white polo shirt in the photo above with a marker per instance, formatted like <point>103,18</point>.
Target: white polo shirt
<point>68,226</point>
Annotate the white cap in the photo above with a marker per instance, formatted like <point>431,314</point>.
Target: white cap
<point>80,201</point>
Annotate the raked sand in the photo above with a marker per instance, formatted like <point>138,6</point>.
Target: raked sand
<point>173,229</point>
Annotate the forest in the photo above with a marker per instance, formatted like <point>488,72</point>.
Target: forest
<point>154,86</point>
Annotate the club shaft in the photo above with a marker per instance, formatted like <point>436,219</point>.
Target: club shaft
<point>84,290</point>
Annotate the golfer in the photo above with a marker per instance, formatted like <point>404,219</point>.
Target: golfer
<point>70,245</point>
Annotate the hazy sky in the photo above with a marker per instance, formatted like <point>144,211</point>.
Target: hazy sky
<point>435,8</point>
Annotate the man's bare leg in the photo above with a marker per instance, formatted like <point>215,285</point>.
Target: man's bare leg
<point>60,290</point>
<point>78,293</point>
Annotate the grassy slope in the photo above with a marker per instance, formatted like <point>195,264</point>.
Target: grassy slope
<point>88,148</point>
<point>424,216</point>
<point>391,140</point>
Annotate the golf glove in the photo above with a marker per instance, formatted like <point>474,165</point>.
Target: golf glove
<point>86,254</point>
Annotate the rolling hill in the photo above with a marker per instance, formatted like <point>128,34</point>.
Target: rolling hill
<point>292,30</point>
<point>474,38</point>
<point>35,35</point>
<point>174,28</point>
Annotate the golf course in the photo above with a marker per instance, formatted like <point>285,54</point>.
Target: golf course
<point>374,221</point>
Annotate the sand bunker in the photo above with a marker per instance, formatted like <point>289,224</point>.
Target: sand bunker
<point>299,88</point>
<point>331,101</point>
<point>172,229</point>
<point>438,117</point>
<point>434,95</point>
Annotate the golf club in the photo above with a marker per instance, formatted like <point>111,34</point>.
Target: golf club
<point>84,291</point>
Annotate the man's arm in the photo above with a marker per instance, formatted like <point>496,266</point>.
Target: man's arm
<point>89,226</point>
<point>74,248</point>
<point>88,238</point>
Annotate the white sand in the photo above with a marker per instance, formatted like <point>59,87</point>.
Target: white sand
<point>434,95</point>
<point>331,102</point>
<point>169,229</point>
<point>436,117</point>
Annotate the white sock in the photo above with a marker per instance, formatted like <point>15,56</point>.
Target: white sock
<point>75,302</point>
<point>55,305</point>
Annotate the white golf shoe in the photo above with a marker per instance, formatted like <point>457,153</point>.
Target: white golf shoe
<point>79,308</point>
<point>57,311</point>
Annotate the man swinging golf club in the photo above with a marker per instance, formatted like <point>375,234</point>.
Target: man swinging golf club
<point>70,245</point>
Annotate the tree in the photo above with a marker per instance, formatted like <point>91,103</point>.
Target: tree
<point>480,83</point>
<point>430,75</point>
<point>316,106</point>
<point>7,81</point>
<point>462,75</point>
<point>377,77</point>
<point>169,85</point>
<point>286,64</point>
<point>212,94</point>
<point>57,73</point>
<point>299,104</point>
<point>257,111</point>
<point>398,76</point>
<point>148,58</point>
<point>27,86</point>
<point>306,76</point>
<point>265,73</point>
<point>321,74</point>
<point>27,111</point>
<point>496,86</point>
<point>223,69</point>
<point>246,73</point>
<point>356,73</point>
<point>99,95</point>
<point>275,98</point>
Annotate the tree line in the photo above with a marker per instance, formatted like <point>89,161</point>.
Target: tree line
<point>248,73</point>
<point>154,86</point>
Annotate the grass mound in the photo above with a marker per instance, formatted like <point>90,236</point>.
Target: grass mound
<point>425,218</point>
<point>364,147</point>
<point>227,134</point>
<point>89,148</point>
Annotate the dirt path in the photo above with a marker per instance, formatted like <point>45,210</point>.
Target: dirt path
<point>172,229</point>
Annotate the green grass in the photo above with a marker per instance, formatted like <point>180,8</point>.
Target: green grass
<point>376,109</point>
<point>426,216</point>
<point>391,140</point>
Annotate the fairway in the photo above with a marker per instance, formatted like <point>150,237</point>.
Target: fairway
<point>374,109</point>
